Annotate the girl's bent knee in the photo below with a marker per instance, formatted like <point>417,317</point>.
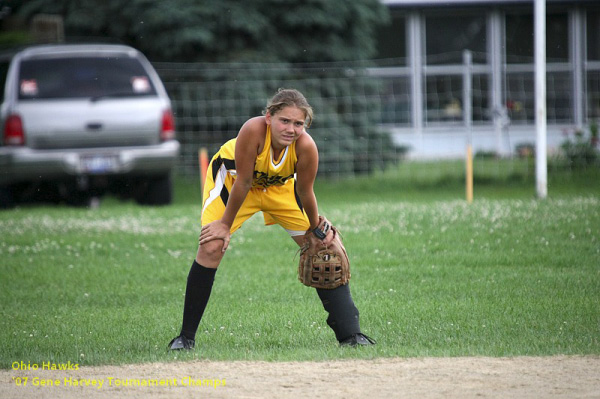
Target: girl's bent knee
<point>210,253</point>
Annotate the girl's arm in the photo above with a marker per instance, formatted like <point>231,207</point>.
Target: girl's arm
<point>306,172</point>
<point>246,151</point>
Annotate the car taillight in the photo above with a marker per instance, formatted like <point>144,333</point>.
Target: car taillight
<point>13,131</point>
<point>167,131</point>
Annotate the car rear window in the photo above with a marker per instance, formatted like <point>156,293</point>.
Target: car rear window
<point>83,77</point>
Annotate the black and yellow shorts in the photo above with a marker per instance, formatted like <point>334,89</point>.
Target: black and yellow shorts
<point>279,204</point>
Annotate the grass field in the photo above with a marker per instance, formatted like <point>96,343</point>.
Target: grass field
<point>432,275</point>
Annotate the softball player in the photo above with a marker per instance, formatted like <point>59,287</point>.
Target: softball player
<point>270,167</point>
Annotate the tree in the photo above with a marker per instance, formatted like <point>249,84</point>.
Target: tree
<point>226,30</point>
<point>249,38</point>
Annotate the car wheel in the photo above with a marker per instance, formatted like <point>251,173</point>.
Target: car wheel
<point>156,191</point>
<point>7,199</point>
<point>79,200</point>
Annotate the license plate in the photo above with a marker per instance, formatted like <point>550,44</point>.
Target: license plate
<point>99,163</point>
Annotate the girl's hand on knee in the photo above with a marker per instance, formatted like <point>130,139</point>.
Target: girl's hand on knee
<point>216,230</point>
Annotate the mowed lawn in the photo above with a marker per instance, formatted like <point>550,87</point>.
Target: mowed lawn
<point>432,276</point>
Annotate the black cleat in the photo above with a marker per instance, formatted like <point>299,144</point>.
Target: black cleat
<point>358,339</point>
<point>181,342</point>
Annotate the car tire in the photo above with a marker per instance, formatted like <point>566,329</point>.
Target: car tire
<point>156,191</point>
<point>7,200</point>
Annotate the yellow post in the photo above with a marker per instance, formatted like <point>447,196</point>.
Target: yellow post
<point>469,174</point>
<point>203,165</point>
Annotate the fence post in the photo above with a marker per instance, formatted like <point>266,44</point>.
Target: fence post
<point>468,120</point>
<point>203,165</point>
<point>541,161</point>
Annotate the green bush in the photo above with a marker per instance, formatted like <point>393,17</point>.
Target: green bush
<point>580,150</point>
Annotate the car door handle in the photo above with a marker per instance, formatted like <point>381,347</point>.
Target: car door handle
<point>94,126</point>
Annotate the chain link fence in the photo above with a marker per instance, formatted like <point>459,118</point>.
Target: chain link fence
<point>360,107</point>
<point>212,101</point>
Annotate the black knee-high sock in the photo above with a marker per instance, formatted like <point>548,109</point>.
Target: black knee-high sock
<point>343,314</point>
<point>199,285</point>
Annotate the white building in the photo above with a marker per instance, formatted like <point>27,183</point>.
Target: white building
<point>422,61</point>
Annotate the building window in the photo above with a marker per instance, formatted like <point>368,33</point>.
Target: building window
<point>520,39</point>
<point>448,36</point>
<point>593,35</point>
<point>520,90</point>
<point>395,99</point>
<point>395,86</point>
<point>593,66</point>
<point>391,39</point>
<point>557,38</point>
<point>593,94</point>
<point>446,39</point>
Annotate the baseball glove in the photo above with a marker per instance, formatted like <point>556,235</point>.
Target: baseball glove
<point>323,266</point>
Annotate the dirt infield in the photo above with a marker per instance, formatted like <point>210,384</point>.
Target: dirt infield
<point>467,377</point>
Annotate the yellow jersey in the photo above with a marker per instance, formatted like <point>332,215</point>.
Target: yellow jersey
<point>273,188</point>
<point>267,171</point>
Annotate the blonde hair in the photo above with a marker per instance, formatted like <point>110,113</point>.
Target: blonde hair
<point>289,98</point>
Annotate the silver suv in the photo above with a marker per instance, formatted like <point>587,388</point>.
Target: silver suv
<point>80,121</point>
